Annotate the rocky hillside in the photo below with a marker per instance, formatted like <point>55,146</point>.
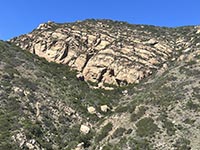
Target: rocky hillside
<point>42,104</point>
<point>103,51</point>
<point>154,74</point>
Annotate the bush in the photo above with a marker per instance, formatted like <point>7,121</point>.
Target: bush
<point>182,144</point>
<point>112,147</point>
<point>191,105</point>
<point>192,62</point>
<point>121,109</point>
<point>139,114</point>
<point>118,132</point>
<point>146,127</point>
<point>189,121</point>
<point>33,129</point>
<point>140,144</point>
<point>104,132</point>
<point>169,126</point>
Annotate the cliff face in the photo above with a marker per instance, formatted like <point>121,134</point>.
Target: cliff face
<point>103,51</point>
<point>44,106</point>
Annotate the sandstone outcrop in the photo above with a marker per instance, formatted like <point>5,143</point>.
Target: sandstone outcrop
<point>100,52</point>
<point>44,106</point>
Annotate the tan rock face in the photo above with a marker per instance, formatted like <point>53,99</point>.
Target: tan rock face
<point>117,55</point>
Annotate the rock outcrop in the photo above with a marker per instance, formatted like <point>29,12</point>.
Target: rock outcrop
<point>102,51</point>
<point>44,106</point>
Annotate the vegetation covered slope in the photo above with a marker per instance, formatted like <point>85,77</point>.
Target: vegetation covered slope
<point>42,102</point>
<point>44,105</point>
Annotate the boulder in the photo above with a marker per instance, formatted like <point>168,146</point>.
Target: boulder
<point>151,42</point>
<point>181,58</point>
<point>91,110</point>
<point>165,66</point>
<point>104,108</point>
<point>80,146</point>
<point>84,129</point>
<point>17,90</point>
<point>30,146</point>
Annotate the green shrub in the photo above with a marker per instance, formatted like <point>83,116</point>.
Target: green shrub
<point>112,147</point>
<point>104,132</point>
<point>182,144</point>
<point>139,114</point>
<point>121,109</point>
<point>140,144</point>
<point>118,132</point>
<point>85,138</point>
<point>146,127</point>
<point>191,105</point>
<point>189,121</point>
<point>192,62</point>
<point>127,108</point>
<point>8,123</point>
<point>129,131</point>
<point>169,126</point>
<point>198,56</point>
<point>33,129</point>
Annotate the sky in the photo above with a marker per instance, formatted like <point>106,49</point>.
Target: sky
<point>22,16</point>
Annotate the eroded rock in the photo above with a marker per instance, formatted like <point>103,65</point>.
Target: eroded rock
<point>98,54</point>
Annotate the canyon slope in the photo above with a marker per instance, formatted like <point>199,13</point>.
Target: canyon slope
<point>104,51</point>
<point>101,84</point>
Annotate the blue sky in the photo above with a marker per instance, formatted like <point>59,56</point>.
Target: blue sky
<point>22,16</point>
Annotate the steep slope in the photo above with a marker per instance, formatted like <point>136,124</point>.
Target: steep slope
<point>45,106</point>
<point>103,51</point>
<point>42,105</point>
<point>160,113</point>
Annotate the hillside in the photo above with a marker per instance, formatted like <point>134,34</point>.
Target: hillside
<point>103,51</point>
<point>104,85</point>
<point>42,101</point>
